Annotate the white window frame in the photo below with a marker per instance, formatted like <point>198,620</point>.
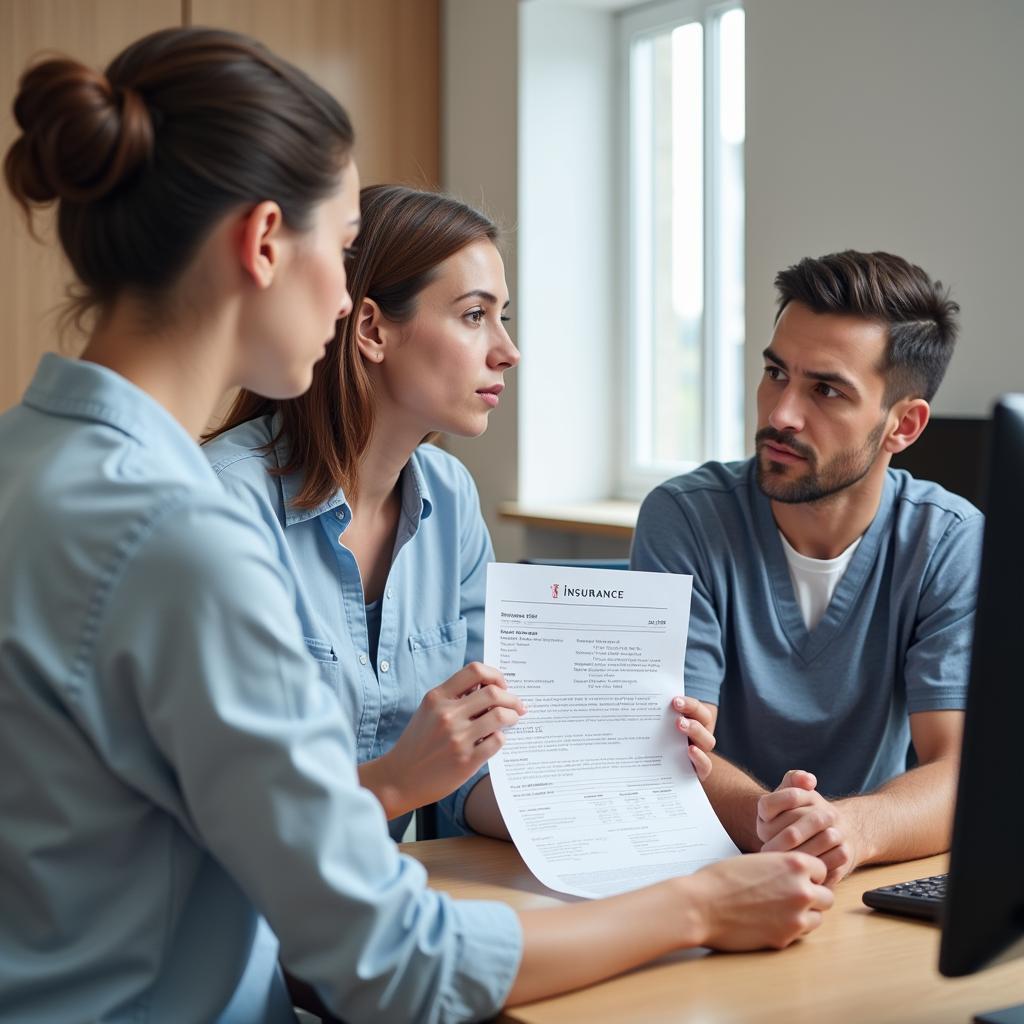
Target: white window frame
<point>635,480</point>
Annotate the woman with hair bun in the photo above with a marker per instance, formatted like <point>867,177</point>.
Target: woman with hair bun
<point>178,789</point>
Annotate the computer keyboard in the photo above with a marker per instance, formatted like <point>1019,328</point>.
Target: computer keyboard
<point>921,897</point>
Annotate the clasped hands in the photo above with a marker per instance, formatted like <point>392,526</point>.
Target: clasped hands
<point>793,816</point>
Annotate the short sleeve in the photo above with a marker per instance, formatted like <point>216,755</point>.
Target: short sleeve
<point>664,541</point>
<point>937,666</point>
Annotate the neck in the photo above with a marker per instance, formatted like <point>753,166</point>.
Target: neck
<point>186,370</point>
<point>826,528</point>
<point>390,448</point>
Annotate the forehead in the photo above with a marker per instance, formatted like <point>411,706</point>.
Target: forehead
<point>830,343</point>
<point>475,267</point>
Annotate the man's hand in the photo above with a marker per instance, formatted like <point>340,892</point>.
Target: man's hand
<point>797,817</point>
<point>696,722</point>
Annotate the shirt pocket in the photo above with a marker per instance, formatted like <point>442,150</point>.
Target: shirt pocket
<point>438,653</point>
<point>326,662</point>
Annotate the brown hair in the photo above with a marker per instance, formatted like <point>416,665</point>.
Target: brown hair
<point>184,125</point>
<point>920,316</point>
<point>405,235</point>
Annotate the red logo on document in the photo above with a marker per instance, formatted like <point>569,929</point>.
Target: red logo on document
<point>554,591</point>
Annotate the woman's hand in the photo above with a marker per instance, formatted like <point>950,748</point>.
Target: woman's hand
<point>456,728</point>
<point>695,722</point>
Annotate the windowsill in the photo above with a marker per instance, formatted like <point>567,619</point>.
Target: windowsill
<point>593,518</point>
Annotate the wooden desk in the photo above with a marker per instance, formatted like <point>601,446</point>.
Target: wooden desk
<point>859,967</point>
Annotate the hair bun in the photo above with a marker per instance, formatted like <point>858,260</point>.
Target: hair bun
<point>82,137</point>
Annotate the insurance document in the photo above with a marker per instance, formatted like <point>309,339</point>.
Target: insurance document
<point>594,782</point>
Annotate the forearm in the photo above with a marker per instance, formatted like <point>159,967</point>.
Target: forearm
<point>910,816</point>
<point>734,795</point>
<point>568,947</point>
<point>482,813</point>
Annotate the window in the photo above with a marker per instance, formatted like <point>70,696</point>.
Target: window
<point>683,257</point>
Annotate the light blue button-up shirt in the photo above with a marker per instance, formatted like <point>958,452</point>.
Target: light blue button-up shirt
<point>173,775</point>
<point>432,609</point>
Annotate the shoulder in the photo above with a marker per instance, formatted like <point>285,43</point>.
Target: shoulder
<point>705,490</point>
<point>243,459</point>
<point>925,506</point>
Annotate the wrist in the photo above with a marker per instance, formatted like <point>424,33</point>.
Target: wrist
<point>377,777</point>
<point>857,835</point>
<point>692,922</point>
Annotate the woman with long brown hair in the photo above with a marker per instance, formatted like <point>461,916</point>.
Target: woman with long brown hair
<point>384,534</point>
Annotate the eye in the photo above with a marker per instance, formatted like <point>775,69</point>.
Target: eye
<point>476,316</point>
<point>827,391</point>
<point>774,373</point>
<point>505,318</point>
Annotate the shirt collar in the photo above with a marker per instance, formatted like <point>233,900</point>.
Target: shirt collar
<point>82,390</point>
<point>416,502</point>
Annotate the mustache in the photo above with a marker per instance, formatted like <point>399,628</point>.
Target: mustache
<point>771,434</point>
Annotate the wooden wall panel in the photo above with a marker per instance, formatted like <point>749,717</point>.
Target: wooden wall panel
<point>380,58</point>
<point>33,275</point>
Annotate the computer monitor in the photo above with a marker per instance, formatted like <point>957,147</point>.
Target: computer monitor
<point>983,920</point>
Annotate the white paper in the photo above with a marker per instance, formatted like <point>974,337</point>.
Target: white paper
<point>594,782</point>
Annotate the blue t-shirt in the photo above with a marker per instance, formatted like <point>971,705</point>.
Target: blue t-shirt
<point>894,640</point>
<point>173,775</point>
<point>430,622</point>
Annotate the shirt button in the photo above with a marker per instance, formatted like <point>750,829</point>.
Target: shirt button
<point>389,593</point>
<point>385,665</point>
<point>341,514</point>
<point>362,659</point>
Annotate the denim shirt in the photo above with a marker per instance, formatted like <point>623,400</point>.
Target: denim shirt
<point>432,608</point>
<point>179,803</point>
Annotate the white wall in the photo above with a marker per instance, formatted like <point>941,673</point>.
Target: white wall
<point>567,300</point>
<point>479,153</point>
<point>896,125</point>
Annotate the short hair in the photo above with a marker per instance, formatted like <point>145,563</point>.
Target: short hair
<point>919,316</point>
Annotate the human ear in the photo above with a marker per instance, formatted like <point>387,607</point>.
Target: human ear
<point>260,242</point>
<point>370,337</point>
<point>912,415</point>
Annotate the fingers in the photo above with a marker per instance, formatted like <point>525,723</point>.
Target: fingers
<point>813,869</point>
<point>469,679</point>
<point>480,701</point>
<point>693,709</point>
<point>821,843</point>
<point>771,805</point>
<point>801,829</point>
<point>697,733</point>
<point>700,761</point>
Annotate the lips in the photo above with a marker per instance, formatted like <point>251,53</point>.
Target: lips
<point>775,450</point>
<point>492,394</point>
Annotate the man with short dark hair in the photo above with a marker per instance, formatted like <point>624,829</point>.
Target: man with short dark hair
<point>833,597</point>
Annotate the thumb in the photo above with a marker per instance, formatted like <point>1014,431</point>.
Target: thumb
<point>798,779</point>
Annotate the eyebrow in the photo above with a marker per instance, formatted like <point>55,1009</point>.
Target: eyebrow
<point>825,378</point>
<point>479,293</point>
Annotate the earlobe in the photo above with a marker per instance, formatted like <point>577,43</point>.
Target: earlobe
<point>260,243</point>
<point>913,418</point>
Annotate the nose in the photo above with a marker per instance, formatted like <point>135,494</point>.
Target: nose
<point>346,306</point>
<point>786,415</point>
<point>504,355</point>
